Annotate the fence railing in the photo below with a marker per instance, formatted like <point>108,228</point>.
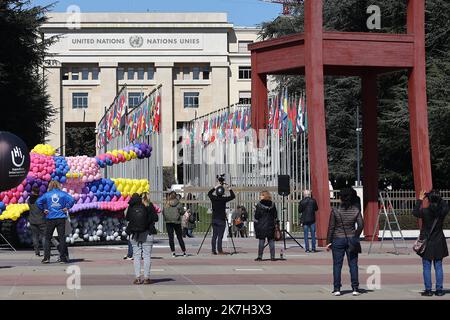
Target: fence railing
<point>403,202</point>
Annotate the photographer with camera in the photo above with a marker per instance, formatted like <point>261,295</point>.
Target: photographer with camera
<point>219,217</point>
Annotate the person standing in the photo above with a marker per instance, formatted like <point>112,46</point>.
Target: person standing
<point>219,216</point>
<point>343,239</point>
<point>307,210</point>
<point>436,245</point>
<point>265,219</point>
<point>172,212</point>
<point>141,218</point>
<point>356,199</point>
<point>55,204</point>
<point>37,221</point>
<point>190,217</point>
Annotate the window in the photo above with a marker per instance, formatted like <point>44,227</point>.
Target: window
<point>95,73</point>
<point>176,73</point>
<point>243,46</point>
<point>245,97</point>
<point>150,73</point>
<point>85,74</point>
<point>140,73</point>
<point>135,98</point>
<point>206,73</point>
<point>196,73</point>
<point>130,73</point>
<point>191,99</point>
<point>245,72</point>
<point>65,75</point>
<point>79,100</point>
<point>75,74</point>
<point>186,73</point>
<point>120,73</point>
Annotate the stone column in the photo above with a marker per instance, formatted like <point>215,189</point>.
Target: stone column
<point>164,76</point>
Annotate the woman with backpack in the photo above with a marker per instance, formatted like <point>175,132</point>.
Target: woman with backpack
<point>172,212</point>
<point>265,219</point>
<point>343,239</point>
<point>434,245</point>
<point>141,228</point>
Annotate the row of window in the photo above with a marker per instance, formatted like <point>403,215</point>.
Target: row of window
<point>190,99</point>
<point>148,73</point>
<point>136,73</point>
<point>83,73</point>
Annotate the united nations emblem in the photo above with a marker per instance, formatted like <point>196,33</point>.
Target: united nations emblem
<point>136,41</point>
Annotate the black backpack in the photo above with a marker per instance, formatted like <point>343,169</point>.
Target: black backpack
<point>138,219</point>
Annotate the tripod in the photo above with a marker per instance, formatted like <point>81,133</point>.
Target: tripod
<point>283,227</point>
<point>206,234</point>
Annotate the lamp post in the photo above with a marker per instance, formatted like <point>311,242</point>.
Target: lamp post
<point>358,153</point>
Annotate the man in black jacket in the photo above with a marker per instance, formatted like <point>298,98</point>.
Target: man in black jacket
<point>219,215</point>
<point>307,211</point>
<point>37,221</point>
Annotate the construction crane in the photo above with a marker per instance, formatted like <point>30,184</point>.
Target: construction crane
<point>287,4</point>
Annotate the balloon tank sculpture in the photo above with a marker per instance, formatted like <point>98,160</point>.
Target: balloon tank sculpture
<point>99,203</point>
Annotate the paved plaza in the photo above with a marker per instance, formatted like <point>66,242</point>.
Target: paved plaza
<point>105,275</point>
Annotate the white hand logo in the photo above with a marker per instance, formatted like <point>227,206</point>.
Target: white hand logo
<point>17,153</point>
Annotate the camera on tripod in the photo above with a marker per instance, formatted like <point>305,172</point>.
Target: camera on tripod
<point>221,178</point>
<point>220,190</point>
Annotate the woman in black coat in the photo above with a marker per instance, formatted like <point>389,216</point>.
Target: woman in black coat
<point>436,245</point>
<point>265,219</point>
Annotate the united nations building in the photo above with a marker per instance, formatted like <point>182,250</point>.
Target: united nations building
<point>200,60</point>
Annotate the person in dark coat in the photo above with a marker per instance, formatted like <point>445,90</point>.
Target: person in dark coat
<point>219,218</point>
<point>436,245</point>
<point>307,210</point>
<point>37,221</point>
<point>356,199</point>
<point>265,219</point>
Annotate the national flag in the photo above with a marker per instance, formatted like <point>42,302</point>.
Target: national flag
<point>157,112</point>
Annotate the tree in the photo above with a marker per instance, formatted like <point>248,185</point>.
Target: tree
<point>26,110</point>
<point>342,95</point>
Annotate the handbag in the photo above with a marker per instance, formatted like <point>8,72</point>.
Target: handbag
<point>421,244</point>
<point>352,247</point>
<point>277,233</point>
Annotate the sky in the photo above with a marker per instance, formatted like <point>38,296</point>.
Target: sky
<point>240,12</point>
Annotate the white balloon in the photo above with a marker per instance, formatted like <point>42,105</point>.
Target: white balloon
<point>99,233</point>
<point>116,234</point>
<point>72,240</point>
<point>67,239</point>
<point>100,227</point>
<point>75,236</point>
<point>91,238</point>
<point>77,230</point>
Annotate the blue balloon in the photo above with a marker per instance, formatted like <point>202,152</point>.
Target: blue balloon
<point>63,179</point>
<point>93,189</point>
<point>106,188</point>
<point>108,199</point>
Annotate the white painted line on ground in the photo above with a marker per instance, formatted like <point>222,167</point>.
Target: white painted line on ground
<point>157,270</point>
<point>296,255</point>
<point>248,269</point>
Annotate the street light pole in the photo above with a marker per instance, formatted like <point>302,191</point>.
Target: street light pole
<point>358,156</point>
